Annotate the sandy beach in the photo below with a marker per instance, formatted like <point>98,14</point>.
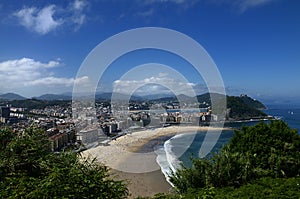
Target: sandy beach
<point>130,160</point>
<point>144,184</point>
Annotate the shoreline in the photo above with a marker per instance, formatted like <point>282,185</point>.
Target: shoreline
<point>150,134</point>
<point>132,158</point>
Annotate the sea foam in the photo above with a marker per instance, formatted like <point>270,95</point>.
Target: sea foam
<point>168,157</point>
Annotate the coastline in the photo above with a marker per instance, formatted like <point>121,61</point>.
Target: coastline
<point>131,158</point>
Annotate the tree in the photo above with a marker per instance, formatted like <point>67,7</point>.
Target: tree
<point>30,170</point>
<point>265,150</point>
<point>262,188</point>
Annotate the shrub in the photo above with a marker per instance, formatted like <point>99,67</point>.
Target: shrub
<point>264,150</point>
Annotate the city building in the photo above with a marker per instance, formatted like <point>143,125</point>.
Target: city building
<point>4,114</point>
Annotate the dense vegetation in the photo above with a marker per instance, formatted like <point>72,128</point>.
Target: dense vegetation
<point>241,107</point>
<point>244,108</point>
<point>288,188</point>
<point>259,162</point>
<point>36,104</point>
<point>29,170</point>
<point>252,102</point>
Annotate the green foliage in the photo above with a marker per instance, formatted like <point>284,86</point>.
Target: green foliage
<point>252,102</point>
<point>266,188</point>
<point>273,150</point>
<point>261,188</point>
<point>37,104</point>
<point>5,137</point>
<point>243,108</point>
<point>264,150</point>
<point>30,170</point>
<point>287,188</point>
<point>21,154</point>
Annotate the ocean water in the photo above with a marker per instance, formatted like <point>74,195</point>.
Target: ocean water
<point>182,147</point>
<point>170,155</point>
<point>288,113</point>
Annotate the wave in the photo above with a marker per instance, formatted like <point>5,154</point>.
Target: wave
<point>167,159</point>
<point>163,163</point>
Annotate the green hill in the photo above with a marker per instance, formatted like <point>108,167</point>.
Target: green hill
<point>241,108</point>
<point>252,102</point>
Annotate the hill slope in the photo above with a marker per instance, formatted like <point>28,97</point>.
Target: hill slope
<point>11,96</point>
<point>244,108</point>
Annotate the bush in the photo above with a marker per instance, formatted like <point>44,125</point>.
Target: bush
<point>264,150</point>
<point>30,170</point>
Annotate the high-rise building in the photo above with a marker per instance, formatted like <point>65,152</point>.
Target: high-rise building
<point>4,112</point>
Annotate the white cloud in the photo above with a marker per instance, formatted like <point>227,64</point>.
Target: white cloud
<point>181,3</point>
<point>153,85</point>
<point>42,21</point>
<point>83,84</point>
<point>162,74</point>
<point>244,5</point>
<point>79,5</point>
<point>146,13</point>
<point>49,18</point>
<point>241,5</point>
<point>24,69</point>
<point>171,1</point>
<point>31,75</point>
<point>51,81</point>
<point>45,21</point>
<point>82,80</point>
<point>77,8</point>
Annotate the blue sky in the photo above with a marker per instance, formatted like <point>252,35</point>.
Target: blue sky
<point>254,43</point>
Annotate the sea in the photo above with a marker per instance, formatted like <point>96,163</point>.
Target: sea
<point>170,155</point>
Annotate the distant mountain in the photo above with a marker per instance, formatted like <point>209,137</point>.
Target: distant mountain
<point>38,104</point>
<point>184,98</point>
<point>11,96</point>
<point>108,96</point>
<point>181,98</point>
<point>51,97</point>
<point>157,96</point>
<point>117,96</point>
<point>207,97</point>
<point>98,96</point>
<point>67,94</point>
